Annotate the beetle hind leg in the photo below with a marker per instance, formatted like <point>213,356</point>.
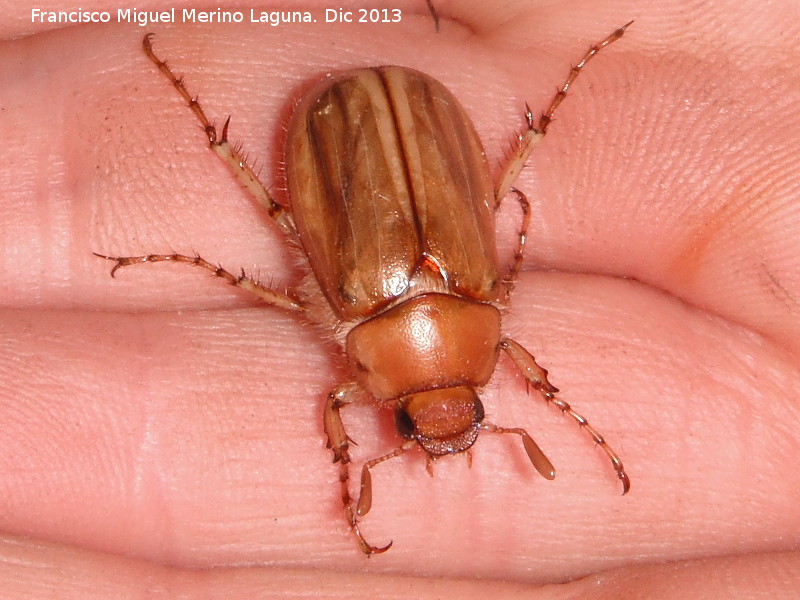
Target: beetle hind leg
<point>534,132</point>
<point>232,156</point>
<point>547,116</point>
<point>537,377</point>
<point>248,284</point>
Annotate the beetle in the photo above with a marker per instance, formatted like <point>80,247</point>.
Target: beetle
<point>393,205</point>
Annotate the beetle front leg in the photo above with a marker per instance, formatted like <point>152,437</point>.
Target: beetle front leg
<point>339,444</point>
<point>272,297</point>
<point>537,377</point>
<point>233,156</point>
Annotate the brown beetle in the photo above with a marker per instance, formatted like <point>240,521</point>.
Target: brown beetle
<point>392,202</point>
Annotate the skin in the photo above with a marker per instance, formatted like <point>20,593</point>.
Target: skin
<point>162,432</point>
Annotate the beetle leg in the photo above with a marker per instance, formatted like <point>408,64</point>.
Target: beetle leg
<point>527,140</point>
<point>525,207</point>
<point>547,117</point>
<point>537,377</point>
<point>434,14</point>
<point>534,133</point>
<point>268,295</point>
<point>231,155</point>
<point>339,443</point>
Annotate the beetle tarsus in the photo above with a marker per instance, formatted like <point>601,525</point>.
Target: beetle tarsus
<point>434,14</point>
<point>519,253</point>
<point>270,296</point>
<point>536,131</point>
<point>575,70</point>
<point>232,157</point>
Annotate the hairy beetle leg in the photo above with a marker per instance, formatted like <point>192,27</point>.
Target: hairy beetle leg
<point>519,253</point>
<point>248,284</point>
<point>339,444</point>
<point>537,377</point>
<point>232,156</point>
<point>535,132</point>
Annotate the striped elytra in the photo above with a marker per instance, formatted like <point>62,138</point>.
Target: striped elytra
<point>388,178</point>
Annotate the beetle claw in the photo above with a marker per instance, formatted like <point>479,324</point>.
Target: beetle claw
<point>368,548</point>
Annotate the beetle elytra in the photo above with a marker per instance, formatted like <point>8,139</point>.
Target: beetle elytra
<point>393,205</point>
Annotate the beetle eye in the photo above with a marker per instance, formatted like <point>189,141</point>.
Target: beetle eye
<point>480,413</point>
<point>404,424</point>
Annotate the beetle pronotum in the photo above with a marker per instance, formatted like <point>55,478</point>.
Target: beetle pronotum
<point>392,202</point>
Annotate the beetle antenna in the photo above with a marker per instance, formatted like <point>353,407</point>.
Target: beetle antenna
<point>537,457</point>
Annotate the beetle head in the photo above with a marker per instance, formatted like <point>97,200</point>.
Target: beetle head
<point>443,421</point>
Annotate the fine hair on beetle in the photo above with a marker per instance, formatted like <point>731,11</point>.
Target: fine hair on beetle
<point>391,209</point>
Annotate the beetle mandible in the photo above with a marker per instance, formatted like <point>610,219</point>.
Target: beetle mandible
<point>393,205</point>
